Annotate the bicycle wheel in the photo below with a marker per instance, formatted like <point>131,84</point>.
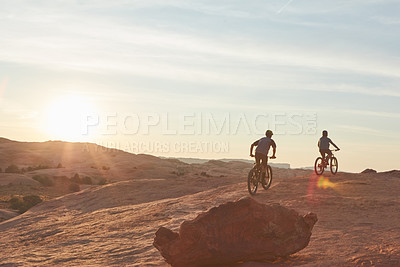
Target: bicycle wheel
<point>334,165</point>
<point>267,179</point>
<point>252,181</point>
<point>319,166</point>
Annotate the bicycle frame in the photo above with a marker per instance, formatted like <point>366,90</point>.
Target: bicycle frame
<point>257,175</point>
<point>330,158</point>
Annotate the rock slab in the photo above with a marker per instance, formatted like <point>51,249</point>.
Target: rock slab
<point>239,231</point>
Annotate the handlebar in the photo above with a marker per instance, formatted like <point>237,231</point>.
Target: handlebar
<point>251,155</point>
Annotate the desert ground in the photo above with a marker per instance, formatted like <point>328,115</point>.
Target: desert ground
<point>113,223</point>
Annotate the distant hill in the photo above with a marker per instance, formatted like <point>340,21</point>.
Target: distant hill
<point>201,161</point>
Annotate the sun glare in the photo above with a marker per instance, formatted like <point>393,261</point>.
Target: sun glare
<point>67,116</point>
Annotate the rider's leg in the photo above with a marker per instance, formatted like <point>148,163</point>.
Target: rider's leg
<point>322,154</point>
<point>329,155</point>
<point>260,158</point>
<point>264,163</point>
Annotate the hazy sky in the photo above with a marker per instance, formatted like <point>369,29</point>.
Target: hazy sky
<point>205,79</point>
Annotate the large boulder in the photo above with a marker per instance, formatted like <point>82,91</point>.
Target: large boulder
<point>239,231</point>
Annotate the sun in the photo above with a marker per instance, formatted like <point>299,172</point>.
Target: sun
<point>67,118</point>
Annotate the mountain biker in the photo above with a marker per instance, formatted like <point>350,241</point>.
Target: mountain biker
<point>262,149</point>
<point>324,143</point>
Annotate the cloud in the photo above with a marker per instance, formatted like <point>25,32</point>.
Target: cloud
<point>369,113</point>
<point>367,131</point>
<point>69,37</point>
<point>386,20</point>
<point>353,89</point>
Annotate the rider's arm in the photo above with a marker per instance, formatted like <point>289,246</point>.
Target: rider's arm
<point>251,147</point>
<point>334,144</point>
<point>273,144</point>
<point>319,141</point>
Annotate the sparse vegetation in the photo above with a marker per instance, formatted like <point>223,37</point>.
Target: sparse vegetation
<point>87,180</point>
<point>179,171</point>
<point>59,166</point>
<point>105,168</point>
<point>205,174</point>
<point>25,203</point>
<point>76,179</point>
<point>43,179</point>
<point>34,168</point>
<point>102,181</point>
<point>13,169</point>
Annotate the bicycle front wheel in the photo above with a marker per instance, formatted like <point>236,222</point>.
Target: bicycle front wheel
<point>334,165</point>
<point>267,179</point>
<point>319,166</point>
<point>252,182</point>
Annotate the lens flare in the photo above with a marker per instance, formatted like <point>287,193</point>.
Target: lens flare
<point>324,183</point>
<point>316,183</point>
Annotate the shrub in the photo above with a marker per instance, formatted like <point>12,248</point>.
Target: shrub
<point>43,179</point>
<point>41,167</point>
<point>76,179</point>
<point>205,174</point>
<point>34,168</point>
<point>102,181</point>
<point>74,187</point>
<point>32,200</point>
<point>87,180</point>
<point>59,166</point>
<point>25,203</point>
<point>12,169</point>
<point>16,203</point>
<point>180,171</point>
<point>105,168</point>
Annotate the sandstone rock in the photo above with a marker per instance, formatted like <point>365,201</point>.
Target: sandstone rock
<point>239,231</point>
<point>393,173</point>
<point>367,171</point>
<point>7,214</point>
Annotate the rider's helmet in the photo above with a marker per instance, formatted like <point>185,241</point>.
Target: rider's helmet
<point>324,133</point>
<point>269,133</point>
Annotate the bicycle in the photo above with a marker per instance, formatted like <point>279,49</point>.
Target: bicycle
<point>255,177</point>
<point>320,164</point>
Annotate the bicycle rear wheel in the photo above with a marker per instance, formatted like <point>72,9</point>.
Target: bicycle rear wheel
<point>267,179</point>
<point>334,165</point>
<point>319,166</point>
<point>252,181</point>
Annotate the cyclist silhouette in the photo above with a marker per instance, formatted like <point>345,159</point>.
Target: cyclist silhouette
<point>262,149</point>
<point>324,143</point>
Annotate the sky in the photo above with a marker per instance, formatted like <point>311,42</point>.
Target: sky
<point>205,79</point>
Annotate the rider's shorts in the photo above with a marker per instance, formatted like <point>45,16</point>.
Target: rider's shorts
<point>261,157</point>
<point>325,151</point>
